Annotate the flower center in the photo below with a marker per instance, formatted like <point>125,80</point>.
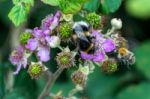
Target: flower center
<point>64,59</point>
<point>36,69</point>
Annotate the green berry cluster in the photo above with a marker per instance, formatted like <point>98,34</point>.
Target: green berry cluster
<point>93,19</point>
<point>65,59</point>
<point>65,30</point>
<point>24,37</point>
<point>35,70</point>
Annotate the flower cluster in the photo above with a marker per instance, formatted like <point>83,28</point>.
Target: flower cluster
<point>38,41</point>
<point>88,44</point>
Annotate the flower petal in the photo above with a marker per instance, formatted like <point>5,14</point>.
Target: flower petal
<point>38,33</point>
<point>18,69</point>
<point>44,54</point>
<point>86,56</point>
<point>32,44</point>
<point>108,45</point>
<point>99,57</point>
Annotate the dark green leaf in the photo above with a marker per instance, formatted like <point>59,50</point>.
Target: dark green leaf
<point>17,2</point>
<point>51,2</point>
<point>110,6</point>
<point>140,91</point>
<point>69,6</point>
<point>101,86</point>
<point>30,2</point>
<point>143,58</point>
<point>92,5</point>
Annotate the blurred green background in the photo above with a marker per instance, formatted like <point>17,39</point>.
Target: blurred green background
<point>127,83</point>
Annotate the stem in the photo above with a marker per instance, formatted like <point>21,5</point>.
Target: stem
<point>110,32</point>
<point>50,82</point>
<point>60,48</point>
<point>72,92</point>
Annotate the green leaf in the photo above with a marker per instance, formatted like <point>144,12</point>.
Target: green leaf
<point>92,5</point>
<point>18,14</point>
<point>143,58</point>
<point>140,91</point>
<point>51,2</point>
<point>102,86</point>
<point>110,6</point>
<point>16,1</point>
<point>30,2</point>
<point>138,8</point>
<point>82,1</point>
<point>69,6</point>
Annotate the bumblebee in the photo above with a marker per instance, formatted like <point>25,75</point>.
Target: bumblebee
<point>126,56</point>
<point>82,37</point>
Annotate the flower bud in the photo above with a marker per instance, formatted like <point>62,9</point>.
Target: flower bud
<point>54,42</point>
<point>116,23</point>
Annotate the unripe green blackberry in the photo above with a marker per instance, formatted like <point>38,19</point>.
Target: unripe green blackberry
<point>93,19</point>
<point>78,78</point>
<point>65,59</point>
<point>65,30</point>
<point>35,70</point>
<point>110,66</point>
<point>24,37</point>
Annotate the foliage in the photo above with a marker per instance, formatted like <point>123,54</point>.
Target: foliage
<point>142,56</point>
<point>19,12</point>
<point>121,85</point>
<point>139,91</point>
<point>138,8</point>
<point>110,6</point>
<point>21,8</point>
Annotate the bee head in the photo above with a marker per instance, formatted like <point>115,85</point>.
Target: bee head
<point>81,29</point>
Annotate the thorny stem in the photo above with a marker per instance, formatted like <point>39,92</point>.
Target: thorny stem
<point>50,82</point>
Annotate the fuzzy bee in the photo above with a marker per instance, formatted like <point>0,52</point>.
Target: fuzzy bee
<point>82,37</point>
<point>126,56</point>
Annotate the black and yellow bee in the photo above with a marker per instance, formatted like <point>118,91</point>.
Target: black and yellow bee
<point>82,37</point>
